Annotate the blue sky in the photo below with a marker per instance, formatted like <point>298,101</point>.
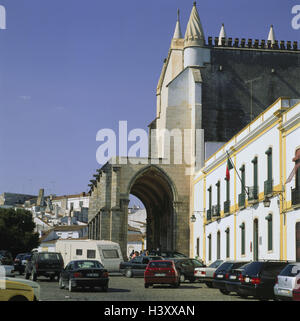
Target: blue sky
<point>70,68</point>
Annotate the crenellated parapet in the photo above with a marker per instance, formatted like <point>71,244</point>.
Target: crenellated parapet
<point>244,43</point>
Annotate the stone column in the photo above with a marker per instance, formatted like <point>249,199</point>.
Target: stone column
<point>181,234</point>
<point>123,224</point>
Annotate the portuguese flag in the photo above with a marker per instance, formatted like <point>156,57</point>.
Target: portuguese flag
<point>228,168</point>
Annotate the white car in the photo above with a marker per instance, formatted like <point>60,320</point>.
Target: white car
<point>34,285</point>
<point>9,270</point>
<point>287,286</point>
<point>205,274</point>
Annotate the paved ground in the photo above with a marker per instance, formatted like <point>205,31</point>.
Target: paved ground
<point>132,289</point>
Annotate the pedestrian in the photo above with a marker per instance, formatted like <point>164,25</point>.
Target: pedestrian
<point>131,254</point>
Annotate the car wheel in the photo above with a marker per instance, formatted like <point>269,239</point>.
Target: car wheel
<point>176,285</point>
<point>71,288</point>
<point>224,291</point>
<point>52,277</point>
<point>146,285</point>
<point>18,298</point>
<point>129,273</point>
<point>208,284</point>
<point>192,280</point>
<point>60,283</point>
<point>182,277</point>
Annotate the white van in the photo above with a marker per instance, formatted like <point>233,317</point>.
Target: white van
<point>106,252</point>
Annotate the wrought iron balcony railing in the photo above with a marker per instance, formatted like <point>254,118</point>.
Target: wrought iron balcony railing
<point>296,196</point>
<point>227,207</point>
<point>208,215</point>
<point>253,194</point>
<point>268,187</point>
<point>242,199</point>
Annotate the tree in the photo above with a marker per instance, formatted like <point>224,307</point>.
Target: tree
<point>17,231</point>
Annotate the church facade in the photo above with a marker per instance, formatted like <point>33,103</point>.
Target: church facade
<point>208,90</point>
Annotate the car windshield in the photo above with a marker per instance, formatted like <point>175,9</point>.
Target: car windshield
<point>224,267</point>
<point>197,263</point>
<point>160,264</point>
<point>290,270</point>
<point>215,264</point>
<point>88,265</point>
<point>49,256</point>
<point>253,268</point>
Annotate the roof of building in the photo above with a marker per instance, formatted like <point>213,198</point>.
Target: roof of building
<point>83,194</point>
<point>133,229</point>
<point>194,35</point>
<point>135,237</point>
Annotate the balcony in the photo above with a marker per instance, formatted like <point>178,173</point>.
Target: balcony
<point>227,207</point>
<point>296,196</point>
<point>242,199</point>
<point>208,215</point>
<point>216,211</point>
<point>253,194</point>
<point>268,187</point>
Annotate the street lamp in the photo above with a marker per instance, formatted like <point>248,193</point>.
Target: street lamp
<point>267,202</point>
<point>193,218</point>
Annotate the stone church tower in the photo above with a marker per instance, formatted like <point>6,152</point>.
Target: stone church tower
<point>208,90</point>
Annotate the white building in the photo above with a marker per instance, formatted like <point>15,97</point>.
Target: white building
<point>232,217</point>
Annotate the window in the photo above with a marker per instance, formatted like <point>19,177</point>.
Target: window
<point>78,251</point>
<point>209,247</point>
<point>218,194</point>
<point>110,254</point>
<point>91,254</point>
<point>242,226</point>
<point>209,204</point>
<point>198,246</point>
<point>227,242</point>
<point>218,245</point>
<point>269,160</point>
<point>269,218</point>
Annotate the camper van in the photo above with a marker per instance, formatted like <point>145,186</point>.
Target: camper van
<point>106,252</point>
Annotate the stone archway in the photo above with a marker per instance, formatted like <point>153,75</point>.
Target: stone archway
<point>164,189</point>
<point>155,189</point>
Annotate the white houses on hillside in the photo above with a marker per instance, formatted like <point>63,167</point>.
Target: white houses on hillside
<point>254,213</point>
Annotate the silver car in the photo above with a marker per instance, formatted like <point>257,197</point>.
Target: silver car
<point>205,274</point>
<point>287,282</point>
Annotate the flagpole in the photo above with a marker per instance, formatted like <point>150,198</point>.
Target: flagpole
<point>247,192</point>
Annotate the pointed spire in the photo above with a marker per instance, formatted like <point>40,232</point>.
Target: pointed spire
<point>194,35</point>
<point>222,35</point>
<point>177,33</point>
<point>271,36</point>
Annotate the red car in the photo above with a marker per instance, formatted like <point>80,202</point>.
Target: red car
<point>161,272</point>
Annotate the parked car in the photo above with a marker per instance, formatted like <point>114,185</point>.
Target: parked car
<point>205,274</point>
<point>233,281</point>
<point>12,290</point>
<point>84,273</point>
<point>287,285</point>
<point>20,262</point>
<point>161,272</point>
<point>48,264</point>
<point>186,268</point>
<point>259,277</point>
<point>167,254</point>
<point>221,275</point>
<point>35,286</point>
<point>6,258</point>
<point>137,265</point>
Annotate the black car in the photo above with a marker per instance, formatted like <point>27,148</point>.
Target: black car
<point>19,265</point>
<point>186,268</point>
<point>84,273</point>
<point>234,279</point>
<point>259,277</point>
<point>47,264</point>
<point>167,254</point>
<point>6,258</point>
<point>222,273</point>
<point>137,265</point>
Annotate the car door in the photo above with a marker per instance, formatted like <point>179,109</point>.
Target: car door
<point>137,266</point>
<point>145,261</point>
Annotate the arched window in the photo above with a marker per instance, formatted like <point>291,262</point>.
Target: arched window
<point>242,227</point>
<point>227,231</point>
<point>218,245</point>
<point>269,218</point>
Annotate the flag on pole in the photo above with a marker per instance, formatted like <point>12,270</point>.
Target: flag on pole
<point>228,168</point>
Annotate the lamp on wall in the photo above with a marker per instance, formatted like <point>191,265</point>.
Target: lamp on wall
<point>267,202</point>
<point>193,217</point>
